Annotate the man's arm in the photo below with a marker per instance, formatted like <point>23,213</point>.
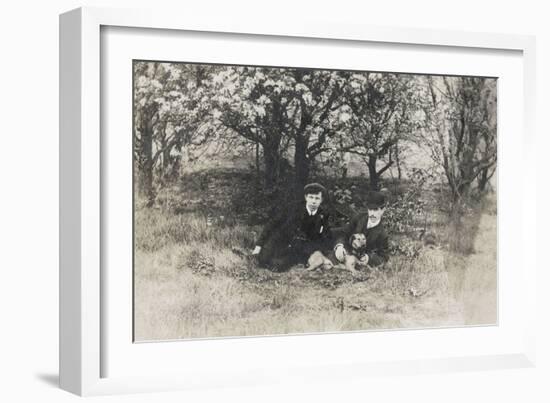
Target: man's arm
<point>270,228</point>
<point>342,234</point>
<point>380,254</point>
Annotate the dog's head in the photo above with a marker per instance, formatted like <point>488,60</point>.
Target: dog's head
<point>358,241</point>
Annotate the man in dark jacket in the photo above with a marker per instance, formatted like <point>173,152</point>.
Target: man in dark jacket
<point>297,233</point>
<point>369,223</point>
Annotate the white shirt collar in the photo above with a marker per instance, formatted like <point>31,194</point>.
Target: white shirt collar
<point>311,212</point>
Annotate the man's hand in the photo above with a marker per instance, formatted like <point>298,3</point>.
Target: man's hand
<point>364,259</point>
<point>340,253</point>
<point>256,250</point>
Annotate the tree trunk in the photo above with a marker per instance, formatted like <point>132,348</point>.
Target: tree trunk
<point>398,162</point>
<point>463,190</point>
<point>167,161</point>
<point>271,157</point>
<point>257,159</point>
<point>344,172</point>
<point>271,147</point>
<point>301,164</point>
<point>146,169</point>
<point>483,179</point>
<point>374,179</point>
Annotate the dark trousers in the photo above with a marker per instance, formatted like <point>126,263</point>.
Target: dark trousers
<point>281,256</point>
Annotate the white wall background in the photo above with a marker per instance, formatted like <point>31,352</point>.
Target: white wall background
<point>29,198</point>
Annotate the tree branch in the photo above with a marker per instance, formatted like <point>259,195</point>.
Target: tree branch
<point>385,168</point>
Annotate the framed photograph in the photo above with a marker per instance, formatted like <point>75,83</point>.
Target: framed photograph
<point>244,203</point>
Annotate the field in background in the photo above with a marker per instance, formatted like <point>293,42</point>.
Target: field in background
<point>190,283</point>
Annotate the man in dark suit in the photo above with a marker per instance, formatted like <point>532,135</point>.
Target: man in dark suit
<point>369,223</point>
<point>299,234</point>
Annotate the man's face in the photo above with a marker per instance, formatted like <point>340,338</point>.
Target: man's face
<point>375,214</point>
<point>314,200</point>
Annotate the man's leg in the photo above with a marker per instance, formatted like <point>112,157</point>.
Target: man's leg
<point>275,255</point>
<point>311,254</point>
<point>282,262</point>
<point>266,254</point>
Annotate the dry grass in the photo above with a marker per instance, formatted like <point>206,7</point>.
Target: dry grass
<point>189,284</point>
<point>480,291</point>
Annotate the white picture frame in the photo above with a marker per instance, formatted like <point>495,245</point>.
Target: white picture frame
<point>83,308</point>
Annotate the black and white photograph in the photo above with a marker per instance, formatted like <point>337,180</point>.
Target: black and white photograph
<point>277,200</point>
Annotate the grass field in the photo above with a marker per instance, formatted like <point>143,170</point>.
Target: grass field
<point>189,283</point>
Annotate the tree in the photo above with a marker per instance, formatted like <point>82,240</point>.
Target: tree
<point>251,103</point>
<point>488,146</point>
<point>280,109</point>
<point>318,122</point>
<point>171,111</point>
<point>460,129</point>
<point>382,110</point>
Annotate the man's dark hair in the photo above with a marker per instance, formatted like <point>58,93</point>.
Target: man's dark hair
<point>314,188</point>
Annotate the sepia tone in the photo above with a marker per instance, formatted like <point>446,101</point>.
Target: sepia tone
<point>220,151</point>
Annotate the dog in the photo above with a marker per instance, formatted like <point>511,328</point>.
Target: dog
<point>357,256</point>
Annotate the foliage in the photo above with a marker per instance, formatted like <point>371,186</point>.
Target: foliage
<point>380,109</point>
<point>406,211</point>
<point>171,116</point>
<point>460,129</point>
<point>278,108</point>
<point>297,124</point>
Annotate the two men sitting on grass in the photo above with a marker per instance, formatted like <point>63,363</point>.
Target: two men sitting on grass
<point>302,235</point>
